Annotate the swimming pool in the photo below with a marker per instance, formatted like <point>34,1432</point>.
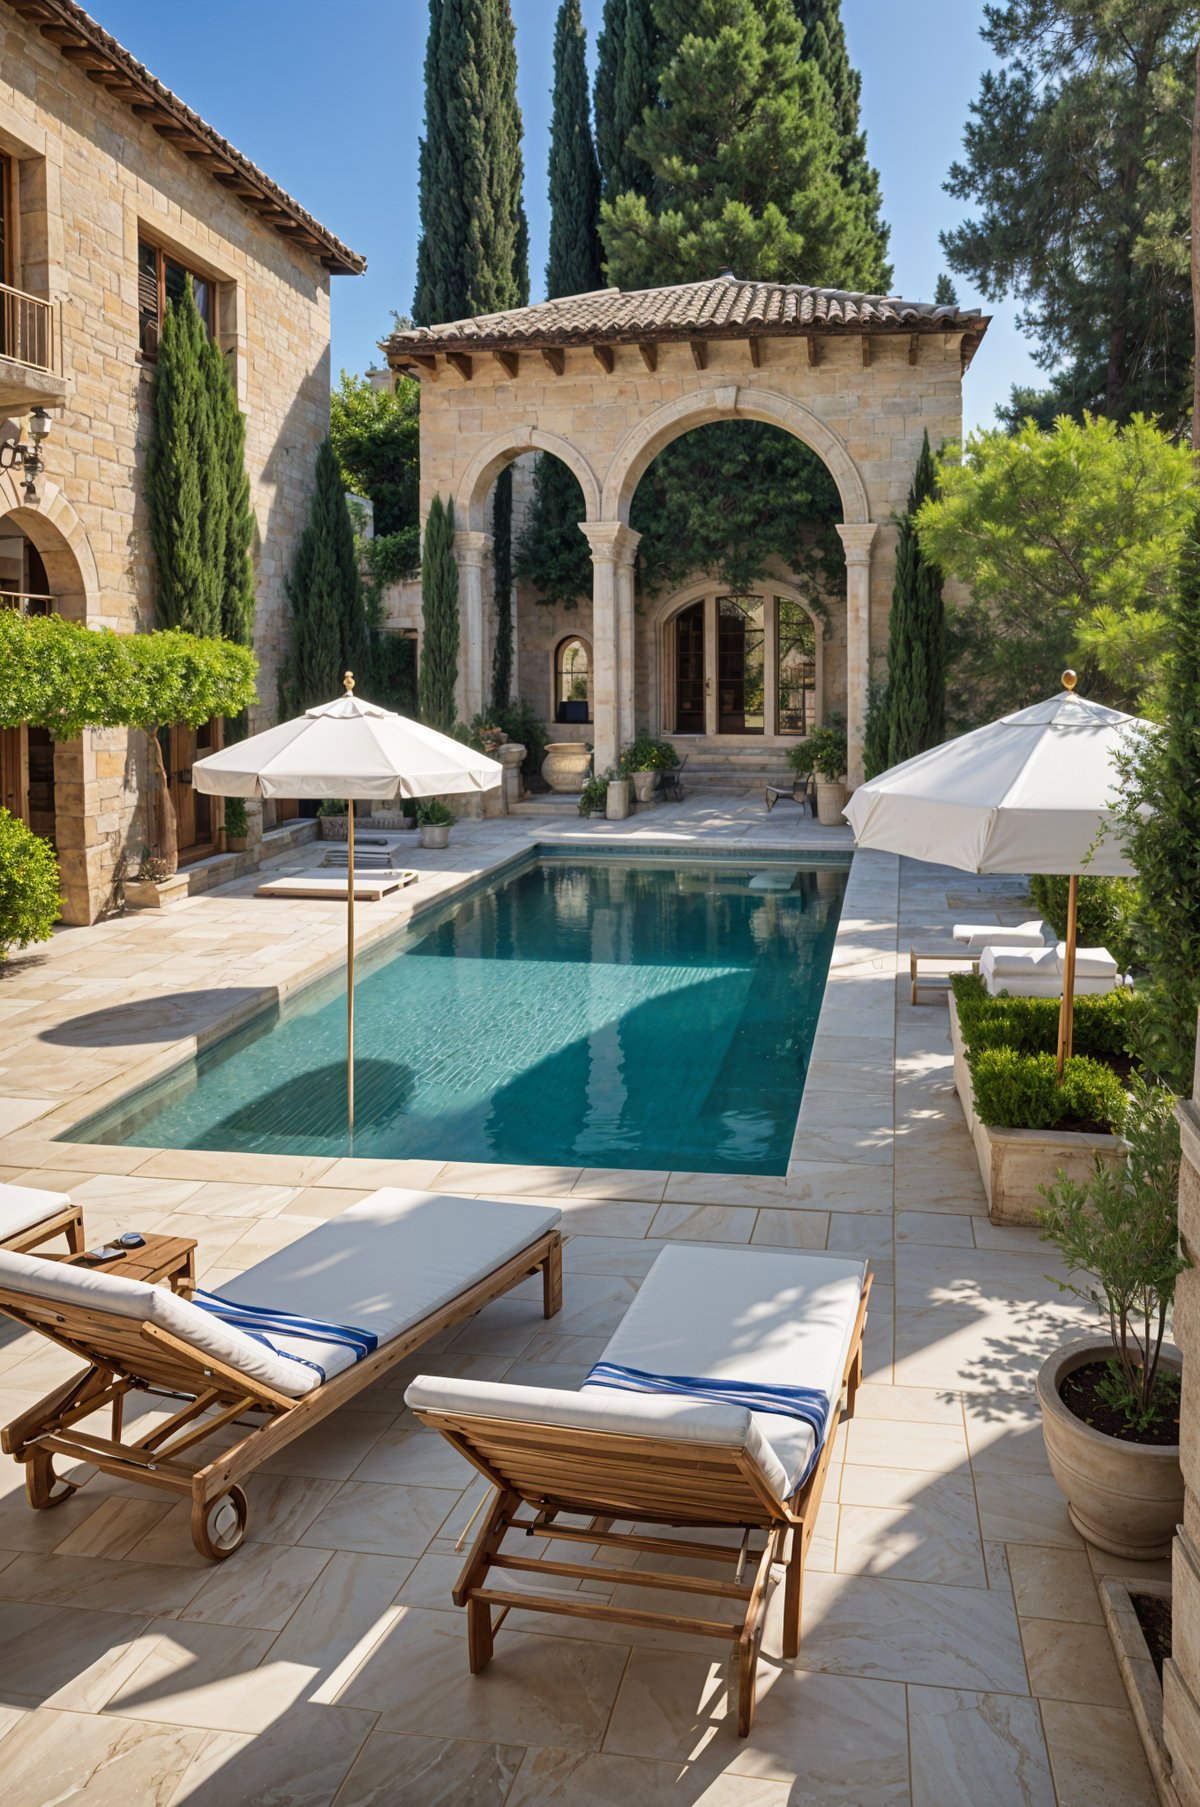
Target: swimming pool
<point>574,1011</point>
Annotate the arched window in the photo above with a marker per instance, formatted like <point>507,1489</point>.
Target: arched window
<point>573,680</point>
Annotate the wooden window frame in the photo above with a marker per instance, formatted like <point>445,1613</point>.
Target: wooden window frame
<point>161,256</point>
<point>8,213</point>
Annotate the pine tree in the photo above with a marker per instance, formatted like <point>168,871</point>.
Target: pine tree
<point>502,582</point>
<point>574,262</point>
<point>825,44</point>
<point>328,623</point>
<point>473,253</point>
<point>944,292</point>
<point>439,608</point>
<point>187,588</point>
<point>910,715</point>
<point>744,152</point>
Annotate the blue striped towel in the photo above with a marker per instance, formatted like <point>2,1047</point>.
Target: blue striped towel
<point>809,1404</point>
<point>258,1320</point>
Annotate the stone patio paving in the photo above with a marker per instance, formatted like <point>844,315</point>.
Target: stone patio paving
<point>953,1649</point>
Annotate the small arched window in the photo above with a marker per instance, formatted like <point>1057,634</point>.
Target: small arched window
<point>573,680</point>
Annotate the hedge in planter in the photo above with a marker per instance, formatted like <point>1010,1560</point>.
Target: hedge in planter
<point>1106,1023</point>
<point>1022,1091</point>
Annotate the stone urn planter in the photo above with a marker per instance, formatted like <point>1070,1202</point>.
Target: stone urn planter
<point>645,785</point>
<point>566,765</point>
<point>832,797</point>
<point>1126,1498</point>
<point>434,834</point>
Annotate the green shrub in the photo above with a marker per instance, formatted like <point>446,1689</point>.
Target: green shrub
<point>391,675</point>
<point>823,751</point>
<point>1104,913</point>
<point>594,794</point>
<point>236,823</point>
<point>30,898</point>
<point>647,755</point>
<point>331,806</point>
<point>1106,1023</point>
<point>431,812</point>
<point>1021,1091</point>
<point>523,725</point>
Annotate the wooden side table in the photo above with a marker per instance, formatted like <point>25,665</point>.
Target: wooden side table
<point>169,1258</point>
<point>930,953</point>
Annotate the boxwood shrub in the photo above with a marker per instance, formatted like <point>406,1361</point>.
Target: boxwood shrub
<point>1105,1022</point>
<point>1021,1091</point>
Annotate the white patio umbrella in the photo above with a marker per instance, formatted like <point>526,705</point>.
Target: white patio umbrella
<point>354,749</point>
<point>1032,792</point>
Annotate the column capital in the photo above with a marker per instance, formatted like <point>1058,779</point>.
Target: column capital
<point>612,540</point>
<point>857,539</point>
<point>472,546</point>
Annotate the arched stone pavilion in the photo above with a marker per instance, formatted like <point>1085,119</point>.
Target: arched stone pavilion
<point>604,381</point>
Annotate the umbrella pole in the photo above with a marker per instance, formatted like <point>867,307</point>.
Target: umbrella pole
<point>350,964</point>
<point>1066,1019</point>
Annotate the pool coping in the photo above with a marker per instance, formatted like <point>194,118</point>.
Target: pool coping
<point>863,956</point>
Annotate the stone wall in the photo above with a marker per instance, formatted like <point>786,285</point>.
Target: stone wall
<point>92,178</point>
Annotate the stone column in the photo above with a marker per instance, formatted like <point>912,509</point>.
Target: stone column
<point>472,549</point>
<point>858,541</point>
<point>614,547</point>
<point>1181,1674</point>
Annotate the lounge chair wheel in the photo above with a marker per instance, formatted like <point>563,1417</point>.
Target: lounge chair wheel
<point>44,1488</point>
<point>219,1526</point>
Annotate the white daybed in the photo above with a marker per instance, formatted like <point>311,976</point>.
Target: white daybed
<point>315,1324</point>
<point>1038,972</point>
<point>732,1342</point>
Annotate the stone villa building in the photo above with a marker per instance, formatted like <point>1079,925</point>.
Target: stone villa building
<point>604,381</point>
<point>112,192</point>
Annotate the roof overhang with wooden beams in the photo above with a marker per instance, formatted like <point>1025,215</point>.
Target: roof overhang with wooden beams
<point>696,314</point>
<point>110,66</point>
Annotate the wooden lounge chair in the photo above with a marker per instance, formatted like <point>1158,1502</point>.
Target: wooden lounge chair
<point>29,1217</point>
<point>745,1322</point>
<point>391,1272</point>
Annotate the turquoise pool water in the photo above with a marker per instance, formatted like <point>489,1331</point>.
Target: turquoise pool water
<point>578,1012</point>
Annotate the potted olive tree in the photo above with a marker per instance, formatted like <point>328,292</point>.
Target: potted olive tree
<point>826,751</point>
<point>1110,1405</point>
<point>435,819</point>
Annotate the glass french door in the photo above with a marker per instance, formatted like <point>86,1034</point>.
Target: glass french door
<point>690,681</point>
<point>742,664</point>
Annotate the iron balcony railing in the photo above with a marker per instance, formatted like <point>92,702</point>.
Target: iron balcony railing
<point>27,602</point>
<point>30,331</point>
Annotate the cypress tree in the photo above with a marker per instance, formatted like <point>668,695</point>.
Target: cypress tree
<point>574,262</point>
<point>231,491</point>
<point>502,582</point>
<point>325,592</point>
<point>911,713</point>
<point>629,50</point>
<point>179,476</point>
<point>439,609</point>
<point>944,292</point>
<point>825,45</point>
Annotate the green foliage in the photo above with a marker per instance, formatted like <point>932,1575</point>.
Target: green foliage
<point>431,812</point>
<point>30,896</point>
<point>629,54</point>
<point>524,728</point>
<point>1077,159</point>
<point>1159,812</point>
<point>744,153</point>
<point>551,553</point>
<point>574,262</point>
<point>473,253</point>
<point>238,600</point>
<point>237,823</point>
<point>825,44</point>
<point>390,678</point>
<point>1107,1025</point>
<point>910,715</point>
<point>331,806</point>
<point>375,434</point>
<point>647,755</point>
<point>439,607</point>
<point>944,292</point>
<point>1069,542</point>
<point>1104,912</point>
<point>824,751</point>
<point>594,795</point>
<point>1021,1091</point>
<point>1119,1233</point>
<point>328,612</point>
<point>502,587</point>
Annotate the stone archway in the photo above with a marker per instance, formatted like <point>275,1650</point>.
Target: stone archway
<point>52,525</point>
<point>473,489</point>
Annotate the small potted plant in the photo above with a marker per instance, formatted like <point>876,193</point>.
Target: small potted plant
<point>593,798</point>
<point>435,819</point>
<point>236,825</point>
<point>643,760</point>
<point>1110,1405</point>
<point>825,754</point>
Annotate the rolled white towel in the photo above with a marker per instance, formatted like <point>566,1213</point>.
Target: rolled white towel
<point>980,935</point>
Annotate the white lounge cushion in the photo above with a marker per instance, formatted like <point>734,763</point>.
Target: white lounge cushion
<point>1090,963</point>
<point>713,1314</point>
<point>23,1206</point>
<point>1038,972</point>
<point>980,935</point>
<point>382,1266</point>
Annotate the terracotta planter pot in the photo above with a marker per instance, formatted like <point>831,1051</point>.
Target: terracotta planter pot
<point>566,765</point>
<point>235,843</point>
<point>434,834</point>
<point>1126,1498</point>
<point>831,801</point>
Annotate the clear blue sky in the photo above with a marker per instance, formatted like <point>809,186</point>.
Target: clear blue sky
<point>328,100</point>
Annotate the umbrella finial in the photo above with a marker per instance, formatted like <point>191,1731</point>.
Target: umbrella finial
<point>348,682</point>
<point>1069,680</point>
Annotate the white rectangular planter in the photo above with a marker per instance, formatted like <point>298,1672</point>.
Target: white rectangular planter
<point>1015,1163</point>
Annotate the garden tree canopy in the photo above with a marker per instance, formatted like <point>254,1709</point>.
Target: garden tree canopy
<point>574,261</point>
<point>473,253</point>
<point>910,714</point>
<point>745,155</point>
<point>439,608</point>
<point>66,677</point>
<point>375,435</point>
<point>628,60</point>
<point>1069,542</point>
<point>1077,156</point>
<point>1160,833</point>
<point>825,44</point>
<point>328,616</point>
